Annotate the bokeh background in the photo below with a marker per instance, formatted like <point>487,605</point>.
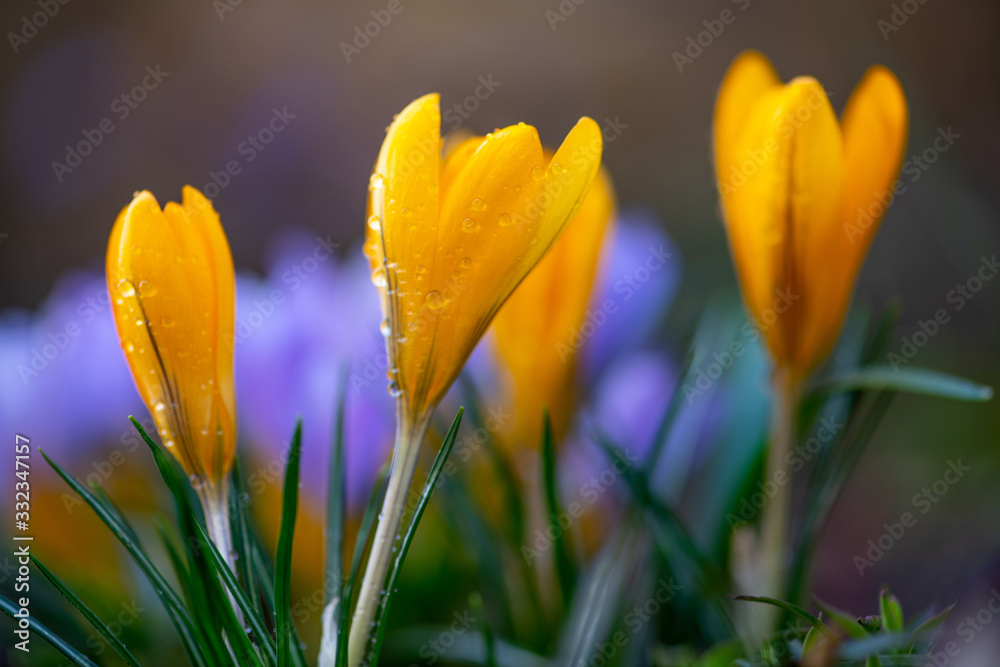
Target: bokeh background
<point>228,65</point>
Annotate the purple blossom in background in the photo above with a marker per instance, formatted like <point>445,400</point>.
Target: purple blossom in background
<point>639,272</point>
<point>312,321</point>
<point>63,376</point>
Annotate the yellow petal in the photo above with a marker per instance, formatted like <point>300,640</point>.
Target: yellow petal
<point>748,79</point>
<point>789,202</point>
<point>535,327</point>
<point>450,242</point>
<point>875,125</point>
<point>173,298</point>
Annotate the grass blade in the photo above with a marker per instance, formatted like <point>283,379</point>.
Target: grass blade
<point>489,641</point>
<point>207,573</point>
<point>249,612</point>
<point>913,380</point>
<point>242,536</point>
<point>564,563</point>
<point>91,617</point>
<point>442,456</point>
<point>791,609</point>
<point>336,505</point>
<point>58,642</point>
<point>283,559</point>
<point>175,607</point>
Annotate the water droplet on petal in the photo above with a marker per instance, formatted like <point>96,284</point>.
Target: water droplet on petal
<point>146,289</point>
<point>434,300</point>
<point>478,205</point>
<point>374,223</point>
<point>394,390</point>
<point>505,220</point>
<point>537,172</point>
<point>385,328</point>
<point>470,225</point>
<point>126,288</point>
<point>466,262</point>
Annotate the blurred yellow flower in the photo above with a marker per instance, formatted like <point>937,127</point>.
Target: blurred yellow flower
<point>450,238</point>
<point>803,196</point>
<point>534,327</point>
<point>170,276</point>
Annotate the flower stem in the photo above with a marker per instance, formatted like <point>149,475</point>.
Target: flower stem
<point>215,503</point>
<point>409,435</point>
<point>776,520</point>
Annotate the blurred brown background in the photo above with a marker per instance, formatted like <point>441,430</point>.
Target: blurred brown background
<point>227,65</point>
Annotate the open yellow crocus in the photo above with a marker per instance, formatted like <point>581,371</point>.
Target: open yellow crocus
<point>449,239</point>
<point>172,287</point>
<point>803,196</point>
<point>535,327</point>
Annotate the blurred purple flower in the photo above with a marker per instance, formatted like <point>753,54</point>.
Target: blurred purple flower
<point>639,272</point>
<point>313,318</point>
<point>63,376</point>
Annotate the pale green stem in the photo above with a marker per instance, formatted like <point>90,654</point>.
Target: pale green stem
<point>409,435</point>
<point>215,503</point>
<point>776,519</point>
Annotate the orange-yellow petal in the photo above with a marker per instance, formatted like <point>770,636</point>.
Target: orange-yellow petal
<point>449,242</point>
<point>779,214</point>
<point>172,289</point>
<point>535,326</point>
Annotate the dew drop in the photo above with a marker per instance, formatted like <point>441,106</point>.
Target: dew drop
<point>166,322</point>
<point>434,300</point>
<point>394,390</point>
<point>557,168</point>
<point>478,205</point>
<point>470,225</point>
<point>537,172</point>
<point>465,262</point>
<point>374,223</point>
<point>146,289</point>
<point>385,328</point>
<point>505,220</point>
<point>126,288</point>
<point>378,277</point>
<point>128,345</point>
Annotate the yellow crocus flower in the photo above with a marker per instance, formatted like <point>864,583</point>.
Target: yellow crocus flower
<point>802,196</point>
<point>534,327</point>
<point>449,239</point>
<point>172,287</point>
